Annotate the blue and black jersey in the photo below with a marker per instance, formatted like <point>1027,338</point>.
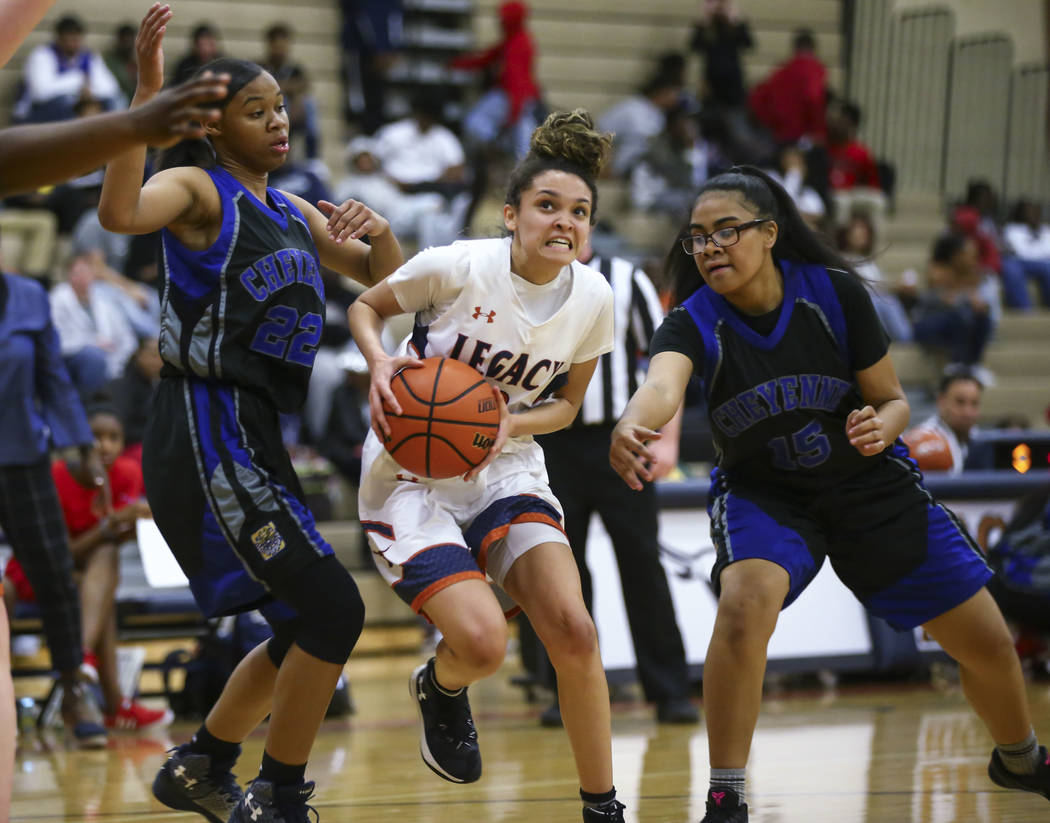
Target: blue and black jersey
<point>780,386</point>
<point>248,310</point>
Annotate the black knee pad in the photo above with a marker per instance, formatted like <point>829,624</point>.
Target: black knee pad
<point>331,611</point>
<point>284,635</point>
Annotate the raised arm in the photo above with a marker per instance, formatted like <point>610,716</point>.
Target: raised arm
<point>126,206</point>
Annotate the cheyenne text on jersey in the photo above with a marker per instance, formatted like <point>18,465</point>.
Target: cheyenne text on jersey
<point>273,272</point>
<point>803,391</point>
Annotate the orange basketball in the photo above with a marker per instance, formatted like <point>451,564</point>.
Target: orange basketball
<point>449,418</point>
<point>929,448</point>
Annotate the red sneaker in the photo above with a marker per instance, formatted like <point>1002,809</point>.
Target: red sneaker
<point>133,716</point>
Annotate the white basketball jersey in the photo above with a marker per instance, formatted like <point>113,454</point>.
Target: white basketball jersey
<point>467,308</point>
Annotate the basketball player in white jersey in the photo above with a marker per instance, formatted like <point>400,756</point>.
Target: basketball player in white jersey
<point>534,321</point>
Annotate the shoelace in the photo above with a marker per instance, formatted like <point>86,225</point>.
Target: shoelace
<point>299,812</point>
<point>457,723</point>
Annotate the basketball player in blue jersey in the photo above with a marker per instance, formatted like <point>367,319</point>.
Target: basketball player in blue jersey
<point>527,315</point>
<point>805,411</point>
<point>242,313</point>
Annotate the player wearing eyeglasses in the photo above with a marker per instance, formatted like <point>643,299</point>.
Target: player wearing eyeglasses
<point>805,410</point>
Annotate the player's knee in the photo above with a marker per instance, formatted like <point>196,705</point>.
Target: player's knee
<point>570,635</point>
<point>746,617</point>
<point>482,647</point>
<point>331,611</point>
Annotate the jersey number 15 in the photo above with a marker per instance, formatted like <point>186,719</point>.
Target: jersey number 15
<point>807,449</point>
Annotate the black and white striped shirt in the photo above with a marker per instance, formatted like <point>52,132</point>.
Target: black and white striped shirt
<point>637,312</point>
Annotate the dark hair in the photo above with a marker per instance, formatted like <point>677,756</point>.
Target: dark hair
<point>976,189</point>
<point>796,241</point>
<point>569,142</point>
<point>1019,213</point>
<point>199,151</point>
<point>125,29</point>
<point>842,235</point>
<point>851,111</point>
<point>279,30</point>
<point>946,246</point>
<point>954,375</point>
<point>101,402</point>
<point>203,30</point>
<point>69,24</point>
<point>804,39</point>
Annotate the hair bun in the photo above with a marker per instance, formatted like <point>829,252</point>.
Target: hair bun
<point>571,137</point>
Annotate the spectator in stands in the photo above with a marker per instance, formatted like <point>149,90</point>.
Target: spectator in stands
<point>790,102</point>
<point>96,337</point>
<point>95,539</point>
<point>719,37</point>
<point>677,161</point>
<point>958,312</point>
<point>371,39</point>
<point>303,118</point>
<point>977,218</point>
<point>60,73</point>
<point>853,174</point>
<point>40,412</point>
<point>205,46</point>
<point>132,393</point>
<point>637,119</point>
<point>791,173</point>
<point>348,419</point>
<point>510,109</point>
<point>120,59</point>
<point>420,154</point>
<point>952,426</point>
<point>856,241</point>
<point>1027,237</point>
<point>426,218</point>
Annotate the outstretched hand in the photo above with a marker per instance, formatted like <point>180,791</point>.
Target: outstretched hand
<point>148,51</point>
<point>351,220</point>
<point>180,113</point>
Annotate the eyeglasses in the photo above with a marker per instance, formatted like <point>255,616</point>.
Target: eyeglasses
<point>729,236</point>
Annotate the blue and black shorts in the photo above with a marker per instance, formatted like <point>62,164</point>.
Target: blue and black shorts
<point>906,557</point>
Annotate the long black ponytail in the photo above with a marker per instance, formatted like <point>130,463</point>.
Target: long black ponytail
<point>796,241</point>
<point>199,151</point>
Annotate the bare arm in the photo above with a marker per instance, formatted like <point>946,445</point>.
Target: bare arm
<point>655,403</point>
<point>560,410</point>
<point>17,19</point>
<point>336,231</point>
<point>885,415</point>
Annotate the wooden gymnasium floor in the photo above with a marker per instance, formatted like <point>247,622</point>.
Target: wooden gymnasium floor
<point>873,754</point>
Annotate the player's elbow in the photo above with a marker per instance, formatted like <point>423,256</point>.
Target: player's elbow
<point>112,219</point>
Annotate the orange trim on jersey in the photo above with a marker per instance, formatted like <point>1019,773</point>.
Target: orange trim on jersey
<point>420,599</point>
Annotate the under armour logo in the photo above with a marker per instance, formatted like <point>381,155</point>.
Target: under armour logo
<point>487,315</point>
<point>256,810</point>
<point>188,782</point>
<point>420,691</point>
<point>718,797</point>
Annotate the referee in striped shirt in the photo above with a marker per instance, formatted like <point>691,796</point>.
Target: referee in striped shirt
<point>584,482</point>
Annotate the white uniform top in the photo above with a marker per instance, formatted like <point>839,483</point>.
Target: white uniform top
<point>469,307</point>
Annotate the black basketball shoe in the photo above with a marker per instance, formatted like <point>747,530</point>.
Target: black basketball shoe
<point>723,806</point>
<point>611,812</point>
<point>191,782</point>
<point>1038,783</point>
<point>449,741</point>
<point>263,802</point>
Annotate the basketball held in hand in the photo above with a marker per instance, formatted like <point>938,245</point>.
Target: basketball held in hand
<point>448,422</point>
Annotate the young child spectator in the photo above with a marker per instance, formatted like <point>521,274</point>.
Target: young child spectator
<point>95,335</point>
<point>1027,237</point>
<point>509,108</point>
<point>856,241</point>
<point>94,540</point>
<point>62,72</point>
<point>959,310</point>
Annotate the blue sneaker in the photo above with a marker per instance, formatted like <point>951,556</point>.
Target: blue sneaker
<point>449,741</point>
<point>190,782</point>
<point>264,802</point>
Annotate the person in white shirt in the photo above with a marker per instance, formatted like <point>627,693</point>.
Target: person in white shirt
<point>1028,238</point>
<point>532,319</point>
<point>96,337</point>
<point>418,153</point>
<point>635,120</point>
<point>62,72</point>
<point>958,407</point>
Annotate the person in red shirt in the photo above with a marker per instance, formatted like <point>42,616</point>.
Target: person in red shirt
<point>94,540</point>
<point>508,107</point>
<point>851,161</point>
<point>790,102</point>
